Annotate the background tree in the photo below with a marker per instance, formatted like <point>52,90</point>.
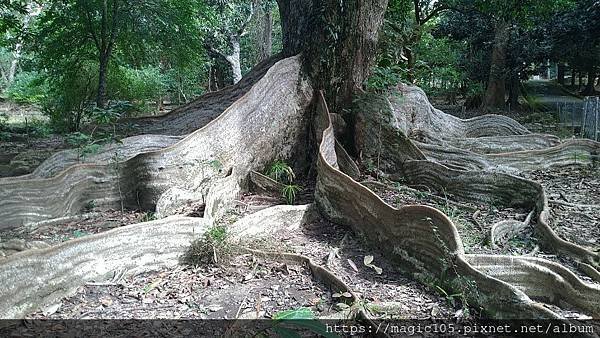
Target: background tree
<point>229,22</point>
<point>101,27</point>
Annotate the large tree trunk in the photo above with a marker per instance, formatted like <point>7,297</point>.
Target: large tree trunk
<point>269,121</point>
<point>495,92</point>
<point>338,39</point>
<point>265,34</point>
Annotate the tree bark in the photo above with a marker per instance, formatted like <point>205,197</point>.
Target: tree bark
<point>411,64</point>
<point>234,58</point>
<point>496,92</point>
<point>265,34</point>
<point>32,9</point>
<point>102,74</point>
<point>338,40</point>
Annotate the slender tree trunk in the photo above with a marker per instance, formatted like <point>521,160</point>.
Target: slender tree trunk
<point>573,74</point>
<point>560,73</point>
<point>265,34</point>
<point>411,64</point>
<point>514,91</point>
<point>580,82</point>
<point>102,74</point>
<point>589,88</point>
<point>234,59</point>
<point>12,71</point>
<point>496,92</point>
<point>32,10</point>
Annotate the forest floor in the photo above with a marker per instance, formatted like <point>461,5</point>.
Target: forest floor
<point>250,287</point>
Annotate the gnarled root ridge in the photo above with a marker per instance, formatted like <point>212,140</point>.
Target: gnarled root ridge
<point>35,278</point>
<point>490,142</point>
<point>57,271</point>
<point>266,123</point>
<point>426,241</point>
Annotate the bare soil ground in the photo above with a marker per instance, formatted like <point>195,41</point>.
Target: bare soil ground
<point>575,220</point>
<point>251,287</point>
<point>247,287</point>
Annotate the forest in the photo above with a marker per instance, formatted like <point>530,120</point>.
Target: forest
<point>299,163</point>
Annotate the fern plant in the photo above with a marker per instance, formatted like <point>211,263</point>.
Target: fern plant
<point>289,193</point>
<point>281,172</point>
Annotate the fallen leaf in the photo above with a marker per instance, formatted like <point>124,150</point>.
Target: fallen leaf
<point>342,306</point>
<point>106,301</point>
<point>352,265</point>
<point>368,260</point>
<point>49,310</point>
<point>214,307</point>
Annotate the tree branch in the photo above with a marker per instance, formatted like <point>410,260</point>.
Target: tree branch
<point>215,51</point>
<point>434,12</point>
<point>88,20</point>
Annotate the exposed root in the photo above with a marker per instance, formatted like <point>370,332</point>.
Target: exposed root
<point>504,230</point>
<point>201,111</point>
<point>426,242</point>
<point>541,280</point>
<point>41,277</point>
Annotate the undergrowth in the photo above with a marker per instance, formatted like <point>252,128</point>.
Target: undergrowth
<point>213,248</point>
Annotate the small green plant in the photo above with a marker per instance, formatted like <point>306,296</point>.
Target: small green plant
<point>289,193</point>
<point>148,217</point>
<point>281,172</point>
<point>79,233</point>
<point>450,298</point>
<point>212,248</point>
<point>89,206</point>
<point>216,165</point>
